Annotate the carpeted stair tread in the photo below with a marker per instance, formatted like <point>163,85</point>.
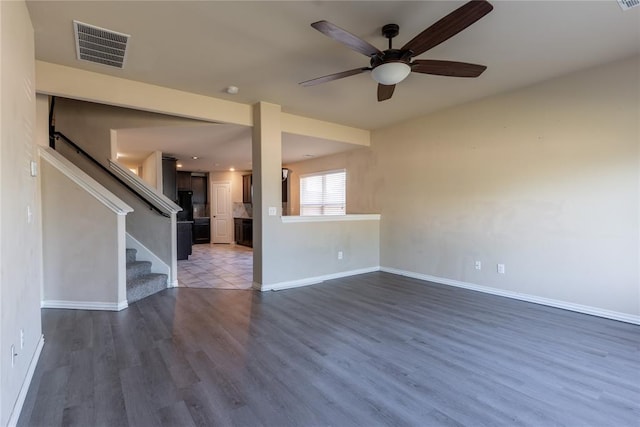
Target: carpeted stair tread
<point>141,282</point>
<point>138,268</point>
<point>131,255</point>
<point>144,286</point>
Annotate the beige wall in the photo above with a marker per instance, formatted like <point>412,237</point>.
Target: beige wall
<point>20,248</point>
<point>89,124</point>
<point>543,179</point>
<point>362,178</point>
<point>80,251</point>
<point>307,250</point>
<point>152,170</point>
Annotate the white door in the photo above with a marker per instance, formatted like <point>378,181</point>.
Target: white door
<point>221,218</point>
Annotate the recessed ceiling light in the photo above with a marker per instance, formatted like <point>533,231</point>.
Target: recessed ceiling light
<point>232,90</point>
<point>232,169</point>
<point>195,157</point>
<point>179,165</point>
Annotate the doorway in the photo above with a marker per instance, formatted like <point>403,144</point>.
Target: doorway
<point>221,217</point>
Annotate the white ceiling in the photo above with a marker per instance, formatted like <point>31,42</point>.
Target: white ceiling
<point>266,48</point>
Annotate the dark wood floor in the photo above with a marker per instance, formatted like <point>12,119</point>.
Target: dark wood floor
<point>375,349</point>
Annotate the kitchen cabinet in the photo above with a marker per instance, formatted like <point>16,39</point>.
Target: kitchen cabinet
<point>243,228</point>
<point>184,181</point>
<point>247,188</point>
<point>184,239</point>
<point>201,230</point>
<point>199,188</point>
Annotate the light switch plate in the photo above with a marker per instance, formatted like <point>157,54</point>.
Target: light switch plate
<point>272,211</point>
<point>34,168</point>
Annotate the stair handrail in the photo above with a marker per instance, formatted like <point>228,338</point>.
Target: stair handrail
<point>59,135</point>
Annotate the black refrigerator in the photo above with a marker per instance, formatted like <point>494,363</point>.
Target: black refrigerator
<point>186,203</point>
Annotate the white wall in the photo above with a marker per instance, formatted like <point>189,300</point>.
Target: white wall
<point>20,248</point>
<point>543,179</point>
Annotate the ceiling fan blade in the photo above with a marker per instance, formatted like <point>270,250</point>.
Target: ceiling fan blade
<point>385,92</point>
<point>335,76</point>
<point>346,38</point>
<point>448,26</point>
<point>447,68</point>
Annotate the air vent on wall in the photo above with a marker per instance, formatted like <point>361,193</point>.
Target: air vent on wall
<point>628,4</point>
<point>95,44</point>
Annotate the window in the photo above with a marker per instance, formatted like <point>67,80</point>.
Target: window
<point>323,193</point>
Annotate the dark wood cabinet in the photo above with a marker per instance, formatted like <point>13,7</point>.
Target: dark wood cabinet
<point>199,188</point>
<point>243,228</point>
<point>247,188</point>
<point>169,178</point>
<point>184,239</point>
<point>201,230</point>
<point>184,181</point>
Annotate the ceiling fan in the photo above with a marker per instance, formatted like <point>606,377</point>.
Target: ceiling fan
<point>391,66</point>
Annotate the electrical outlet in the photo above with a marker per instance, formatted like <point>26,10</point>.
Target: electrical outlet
<point>478,265</point>
<point>340,254</point>
<point>501,268</point>
<point>21,339</point>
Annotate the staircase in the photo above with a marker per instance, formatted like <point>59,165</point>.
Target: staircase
<point>141,282</point>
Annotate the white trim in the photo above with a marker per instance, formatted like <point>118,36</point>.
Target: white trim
<point>85,305</point>
<point>158,199</point>
<point>585,309</point>
<point>313,280</point>
<point>24,389</point>
<point>329,218</point>
<point>89,184</point>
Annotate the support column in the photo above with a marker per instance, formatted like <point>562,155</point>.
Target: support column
<point>267,189</point>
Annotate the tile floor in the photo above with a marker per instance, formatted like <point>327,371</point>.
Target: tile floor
<point>217,266</point>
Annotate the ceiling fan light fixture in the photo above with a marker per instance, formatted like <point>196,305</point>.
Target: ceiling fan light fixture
<point>391,73</point>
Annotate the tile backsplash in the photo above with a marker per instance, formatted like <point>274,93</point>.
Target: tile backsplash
<point>242,210</point>
<point>200,210</point>
<point>245,210</point>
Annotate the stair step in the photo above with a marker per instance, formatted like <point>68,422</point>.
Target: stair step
<point>144,286</point>
<point>131,255</point>
<point>137,269</point>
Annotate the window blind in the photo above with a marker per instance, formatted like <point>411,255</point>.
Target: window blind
<point>323,193</point>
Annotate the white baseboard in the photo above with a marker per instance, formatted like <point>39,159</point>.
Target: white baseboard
<point>85,305</point>
<point>17,408</point>
<point>314,280</point>
<point>585,309</point>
